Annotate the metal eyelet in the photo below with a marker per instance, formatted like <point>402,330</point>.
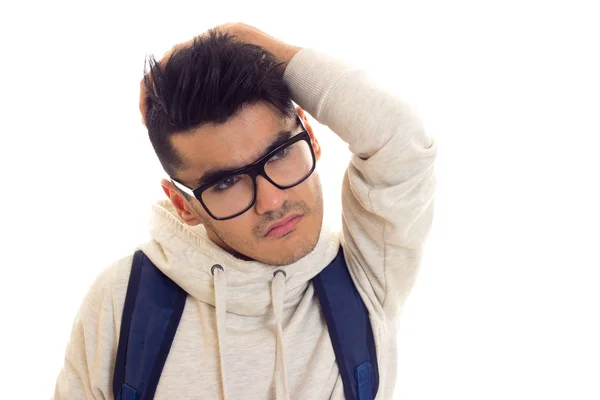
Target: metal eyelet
<point>212,270</point>
<point>279,270</point>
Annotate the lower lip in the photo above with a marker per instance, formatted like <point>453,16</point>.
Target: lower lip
<point>285,228</point>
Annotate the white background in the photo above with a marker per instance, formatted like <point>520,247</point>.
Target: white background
<point>507,302</point>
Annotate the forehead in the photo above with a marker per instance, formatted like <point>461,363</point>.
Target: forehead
<point>238,142</point>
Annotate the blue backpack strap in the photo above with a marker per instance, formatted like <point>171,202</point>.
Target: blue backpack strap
<point>152,311</point>
<point>349,329</point>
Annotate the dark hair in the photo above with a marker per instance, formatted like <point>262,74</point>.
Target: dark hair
<point>209,81</point>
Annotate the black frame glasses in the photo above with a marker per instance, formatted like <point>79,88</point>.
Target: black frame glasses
<point>253,170</point>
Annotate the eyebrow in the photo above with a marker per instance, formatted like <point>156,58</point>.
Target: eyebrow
<point>217,172</point>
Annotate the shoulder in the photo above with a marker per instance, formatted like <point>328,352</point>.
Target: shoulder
<point>106,294</point>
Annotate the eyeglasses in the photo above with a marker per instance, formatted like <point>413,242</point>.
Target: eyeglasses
<point>233,194</point>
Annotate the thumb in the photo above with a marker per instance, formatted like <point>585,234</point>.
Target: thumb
<point>143,102</point>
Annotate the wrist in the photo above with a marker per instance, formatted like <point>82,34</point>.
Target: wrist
<point>287,53</point>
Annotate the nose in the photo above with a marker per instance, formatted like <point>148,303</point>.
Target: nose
<point>268,197</point>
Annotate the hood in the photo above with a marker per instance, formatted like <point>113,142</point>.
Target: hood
<point>186,255</point>
<point>211,275</point>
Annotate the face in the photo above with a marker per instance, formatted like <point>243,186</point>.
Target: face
<point>242,140</point>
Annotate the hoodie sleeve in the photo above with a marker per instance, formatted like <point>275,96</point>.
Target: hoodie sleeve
<point>92,348</point>
<point>388,187</point>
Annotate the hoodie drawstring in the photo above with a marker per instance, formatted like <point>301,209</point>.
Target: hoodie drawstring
<point>277,299</point>
<point>220,281</point>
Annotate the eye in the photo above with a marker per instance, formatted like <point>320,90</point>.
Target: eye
<point>227,183</point>
<point>280,154</point>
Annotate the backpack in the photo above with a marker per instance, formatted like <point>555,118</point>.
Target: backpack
<point>154,305</point>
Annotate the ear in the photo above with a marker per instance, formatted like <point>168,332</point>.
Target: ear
<point>181,204</point>
<point>313,139</point>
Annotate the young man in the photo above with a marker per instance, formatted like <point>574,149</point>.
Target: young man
<point>245,244</point>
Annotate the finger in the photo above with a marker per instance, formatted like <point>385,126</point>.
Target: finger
<point>143,101</point>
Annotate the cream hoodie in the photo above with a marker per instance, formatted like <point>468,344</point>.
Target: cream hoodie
<point>246,334</point>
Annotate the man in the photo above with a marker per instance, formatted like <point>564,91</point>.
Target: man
<point>220,103</point>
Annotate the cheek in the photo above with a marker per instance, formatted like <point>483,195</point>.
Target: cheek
<point>240,227</point>
<point>313,189</point>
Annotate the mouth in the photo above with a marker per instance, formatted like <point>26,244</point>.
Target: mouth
<point>284,226</point>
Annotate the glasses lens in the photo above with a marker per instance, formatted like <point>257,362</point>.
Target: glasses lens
<point>229,196</point>
<point>291,164</point>
<point>288,167</point>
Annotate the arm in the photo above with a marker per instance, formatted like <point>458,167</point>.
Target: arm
<point>91,351</point>
<point>388,188</point>
<point>74,380</point>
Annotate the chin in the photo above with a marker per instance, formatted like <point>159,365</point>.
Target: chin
<point>300,250</point>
